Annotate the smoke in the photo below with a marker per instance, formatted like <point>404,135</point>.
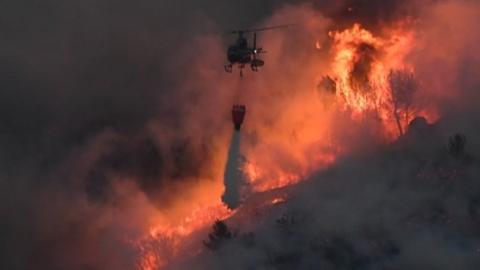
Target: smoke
<point>106,128</point>
<point>407,207</point>
<point>111,123</point>
<point>409,204</point>
<point>234,181</point>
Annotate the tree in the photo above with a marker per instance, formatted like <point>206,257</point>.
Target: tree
<point>220,233</point>
<point>403,87</point>
<point>327,84</point>
<point>456,145</point>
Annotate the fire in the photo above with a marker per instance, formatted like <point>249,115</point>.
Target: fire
<point>169,231</point>
<point>360,78</point>
<point>369,76</point>
<point>361,68</point>
<point>278,200</point>
<point>198,216</point>
<point>372,76</point>
<point>165,240</point>
<point>354,53</point>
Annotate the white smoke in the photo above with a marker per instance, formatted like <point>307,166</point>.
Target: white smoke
<point>234,179</point>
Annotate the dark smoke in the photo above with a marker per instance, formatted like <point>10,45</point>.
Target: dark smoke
<point>92,95</point>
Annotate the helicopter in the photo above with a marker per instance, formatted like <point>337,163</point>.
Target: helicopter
<point>241,54</point>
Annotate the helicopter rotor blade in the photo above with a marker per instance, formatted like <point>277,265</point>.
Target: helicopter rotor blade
<point>260,29</point>
<point>267,28</point>
<point>232,32</point>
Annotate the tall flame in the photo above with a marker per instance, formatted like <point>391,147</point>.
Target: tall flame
<point>361,69</point>
<point>369,76</point>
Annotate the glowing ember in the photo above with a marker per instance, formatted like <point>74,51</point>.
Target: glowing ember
<point>277,200</point>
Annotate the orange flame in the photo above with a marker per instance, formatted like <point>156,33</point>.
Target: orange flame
<point>301,139</point>
<point>362,68</point>
<point>164,241</point>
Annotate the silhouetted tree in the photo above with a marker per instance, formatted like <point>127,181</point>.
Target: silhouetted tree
<point>327,88</point>
<point>456,145</point>
<point>403,86</point>
<point>220,233</point>
<point>287,222</point>
<point>327,84</point>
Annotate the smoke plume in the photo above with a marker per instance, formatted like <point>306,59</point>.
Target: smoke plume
<point>115,128</point>
<point>408,204</point>
<point>234,179</point>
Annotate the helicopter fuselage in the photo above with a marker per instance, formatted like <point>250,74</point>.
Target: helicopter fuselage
<point>241,54</point>
<point>237,55</point>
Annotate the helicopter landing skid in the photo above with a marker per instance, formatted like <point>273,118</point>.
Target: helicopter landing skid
<point>228,68</point>
<point>241,67</point>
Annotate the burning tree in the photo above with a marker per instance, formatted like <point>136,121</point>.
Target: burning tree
<point>327,84</point>
<point>220,233</point>
<point>327,88</point>
<point>403,87</point>
<point>371,78</point>
<point>361,69</point>
<point>156,251</point>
